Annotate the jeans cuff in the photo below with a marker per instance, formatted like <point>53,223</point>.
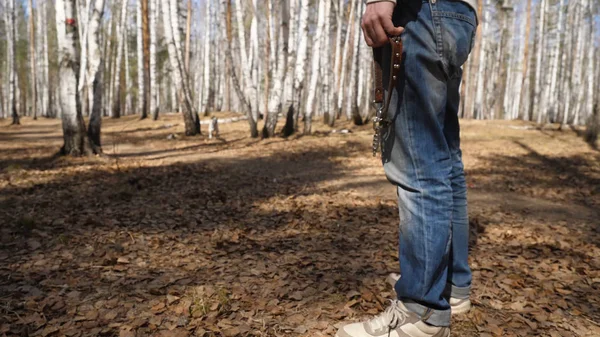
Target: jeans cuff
<point>457,292</point>
<point>429,316</point>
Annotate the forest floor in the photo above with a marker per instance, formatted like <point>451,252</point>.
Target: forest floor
<point>280,237</point>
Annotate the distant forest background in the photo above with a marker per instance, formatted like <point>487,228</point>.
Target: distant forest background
<point>535,60</point>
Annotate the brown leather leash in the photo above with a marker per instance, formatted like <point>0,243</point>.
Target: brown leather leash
<point>381,102</point>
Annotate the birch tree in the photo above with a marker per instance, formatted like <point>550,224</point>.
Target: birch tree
<point>32,60</point>
<point>74,132</point>
<point>141,103</point>
<point>315,68</point>
<point>173,39</point>
<point>153,10</point>
<point>293,108</point>
<point>121,39</point>
<point>9,17</point>
<point>278,85</point>
<point>95,75</point>
<point>250,91</point>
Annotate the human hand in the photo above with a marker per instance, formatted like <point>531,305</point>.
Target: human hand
<point>377,23</point>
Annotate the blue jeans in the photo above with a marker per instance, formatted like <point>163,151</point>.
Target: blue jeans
<point>422,156</point>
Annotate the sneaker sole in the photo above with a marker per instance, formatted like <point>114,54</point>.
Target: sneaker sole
<point>462,308</point>
<point>455,309</point>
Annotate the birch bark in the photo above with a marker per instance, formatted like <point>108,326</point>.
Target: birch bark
<point>140,61</point>
<point>176,59</point>
<point>326,70</point>
<point>121,35</point>
<point>352,111</point>
<point>12,105</point>
<point>95,72</point>
<point>539,61</point>
<point>337,62</point>
<point>345,56</point>
<point>315,69</point>
<point>277,91</point>
<point>153,11</point>
<point>479,104</point>
<point>33,62</point>
<point>207,61</point>
<point>249,91</point>
<point>74,133</point>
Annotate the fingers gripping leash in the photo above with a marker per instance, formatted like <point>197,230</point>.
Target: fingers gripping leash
<point>381,100</point>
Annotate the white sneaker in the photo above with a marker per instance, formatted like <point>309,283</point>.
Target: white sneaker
<point>395,321</point>
<point>457,305</point>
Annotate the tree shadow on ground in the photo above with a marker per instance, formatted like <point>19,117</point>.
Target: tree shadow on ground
<point>575,179</point>
<point>253,228</point>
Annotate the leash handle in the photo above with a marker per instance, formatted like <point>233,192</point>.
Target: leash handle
<point>381,102</point>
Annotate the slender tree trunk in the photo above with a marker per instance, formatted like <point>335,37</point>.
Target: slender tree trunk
<point>479,103</point>
<point>153,11</point>
<point>521,93</point>
<point>293,111</point>
<point>278,85</point>
<point>9,5</point>
<point>345,57</point>
<point>288,84</point>
<point>95,71</point>
<point>539,61</point>
<point>75,138</point>
<point>315,69</point>
<point>591,57</point>
<point>176,58</point>
<point>327,72</point>
<point>250,92</point>
<point>352,108</point>
<point>146,54</point>
<point>337,61</point>
<point>33,62</point>
<point>121,38</point>
<point>140,61</point>
<point>207,62</point>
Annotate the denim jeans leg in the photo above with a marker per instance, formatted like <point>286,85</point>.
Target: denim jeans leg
<point>459,273</point>
<point>417,156</point>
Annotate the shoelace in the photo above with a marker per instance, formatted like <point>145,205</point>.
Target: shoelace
<point>393,316</point>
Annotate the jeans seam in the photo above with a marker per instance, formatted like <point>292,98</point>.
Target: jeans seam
<point>457,16</point>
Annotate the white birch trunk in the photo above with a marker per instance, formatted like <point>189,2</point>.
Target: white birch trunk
<point>121,36</point>
<point>140,59</point>
<point>153,11</point>
<point>95,74</point>
<point>337,62</point>
<point>74,134</point>
<point>345,57</point>
<point>578,62</point>
<point>539,61</point>
<point>288,85</point>
<point>33,61</point>
<point>301,60</point>
<point>479,104</point>
<point>352,111</point>
<point>176,59</point>
<point>326,71</point>
<point>589,104</point>
<point>207,61</point>
<point>277,91</point>
<point>318,42</point>
<point>12,106</point>
<point>249,85</point>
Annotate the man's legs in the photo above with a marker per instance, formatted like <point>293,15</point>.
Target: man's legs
<point>423,161</point>
<point>422,157</point>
